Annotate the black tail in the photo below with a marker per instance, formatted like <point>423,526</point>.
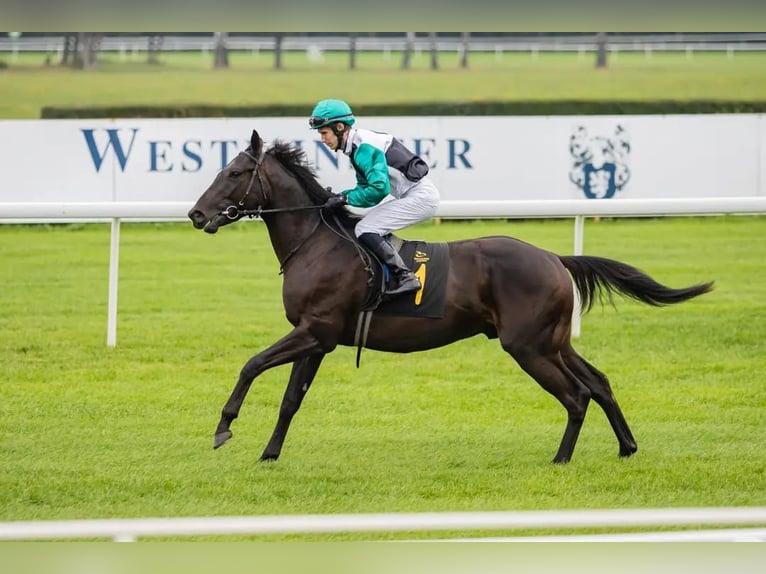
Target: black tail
<point>596,277</point>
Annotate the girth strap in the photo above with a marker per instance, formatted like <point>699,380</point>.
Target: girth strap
<point>362,329</point>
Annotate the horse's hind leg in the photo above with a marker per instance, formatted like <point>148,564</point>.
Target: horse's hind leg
<point>303,373</point>
<point>553,375</point>
<point>601,392</point>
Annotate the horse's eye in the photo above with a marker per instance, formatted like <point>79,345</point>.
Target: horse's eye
<point>235,173</point>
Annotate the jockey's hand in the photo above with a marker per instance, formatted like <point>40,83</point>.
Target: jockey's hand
<point>335,201</point>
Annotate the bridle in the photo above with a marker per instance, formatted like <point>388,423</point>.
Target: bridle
<point>235,212</point>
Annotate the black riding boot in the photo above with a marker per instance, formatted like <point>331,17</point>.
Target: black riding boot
<point>402,279</point>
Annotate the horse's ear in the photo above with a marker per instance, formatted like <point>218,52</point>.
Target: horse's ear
<point>256,143</point>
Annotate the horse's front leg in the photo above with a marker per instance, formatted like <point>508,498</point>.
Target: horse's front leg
<point>295,345</point>
<point>303,373</point>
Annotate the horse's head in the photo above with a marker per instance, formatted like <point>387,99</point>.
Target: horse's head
<point>237,187</point>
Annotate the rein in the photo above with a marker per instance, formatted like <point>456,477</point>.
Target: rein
<point>259,210</point>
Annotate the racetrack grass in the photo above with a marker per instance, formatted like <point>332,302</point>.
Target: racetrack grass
<point>88,431</point>
<point>188,78</point>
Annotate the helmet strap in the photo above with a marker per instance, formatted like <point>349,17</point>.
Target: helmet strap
<point>339,134</point>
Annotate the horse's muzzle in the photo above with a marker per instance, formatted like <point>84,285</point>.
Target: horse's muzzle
<point>198,218</point>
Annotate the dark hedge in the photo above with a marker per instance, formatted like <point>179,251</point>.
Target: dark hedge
<point>519,108</point>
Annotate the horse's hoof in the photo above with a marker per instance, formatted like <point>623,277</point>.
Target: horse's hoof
<point>221,438</point>
<point>267,457</point>
<point>626,452</point>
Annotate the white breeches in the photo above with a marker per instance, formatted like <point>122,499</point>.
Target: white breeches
<point>418,204</point>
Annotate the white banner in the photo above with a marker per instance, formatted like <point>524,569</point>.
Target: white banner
<point>471,158</point>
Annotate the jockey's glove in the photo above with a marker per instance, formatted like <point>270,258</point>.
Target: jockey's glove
<point>335,201</point>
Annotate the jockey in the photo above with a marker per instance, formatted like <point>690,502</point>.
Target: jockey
<point>384,167</point>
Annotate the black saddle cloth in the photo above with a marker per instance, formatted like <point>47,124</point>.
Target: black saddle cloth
<point>430,263</point>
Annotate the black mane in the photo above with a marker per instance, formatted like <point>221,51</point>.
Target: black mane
<point>293,158</point>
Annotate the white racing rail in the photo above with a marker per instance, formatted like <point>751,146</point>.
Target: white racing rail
<point>14,211</point>
<point>129,530</point>
<point>20,212</point>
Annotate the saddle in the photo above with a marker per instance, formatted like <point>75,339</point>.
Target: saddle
<point>429,262</point>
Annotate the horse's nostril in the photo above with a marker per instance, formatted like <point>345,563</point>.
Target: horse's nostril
<point>198,218</point>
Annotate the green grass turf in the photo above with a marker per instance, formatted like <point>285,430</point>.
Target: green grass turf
<point>27,85</point>
<point>88,431</point>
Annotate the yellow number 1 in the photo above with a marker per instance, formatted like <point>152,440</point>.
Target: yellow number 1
<point>420,274</point>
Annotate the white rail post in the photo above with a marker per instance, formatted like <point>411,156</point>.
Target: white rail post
<point>114,267</point>
<point>579,230</point>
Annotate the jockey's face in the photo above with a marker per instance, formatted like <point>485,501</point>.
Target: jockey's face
<point>329,137</point>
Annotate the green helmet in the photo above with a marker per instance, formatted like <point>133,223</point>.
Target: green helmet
<point>328,112</point>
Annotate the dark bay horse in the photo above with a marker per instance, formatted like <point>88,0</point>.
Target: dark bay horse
<point>498,286</point>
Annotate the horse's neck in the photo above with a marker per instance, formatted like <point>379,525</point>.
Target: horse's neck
<point>290,231</point>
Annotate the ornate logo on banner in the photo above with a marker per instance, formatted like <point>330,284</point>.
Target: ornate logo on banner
<point>600,164</point>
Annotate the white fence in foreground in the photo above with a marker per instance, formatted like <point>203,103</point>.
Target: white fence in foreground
<point>115,211</point>
<point>129,530</point>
